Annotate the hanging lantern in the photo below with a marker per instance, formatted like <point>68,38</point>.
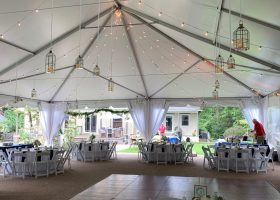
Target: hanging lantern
<point>96,70</point>
<point>118,13</point>
<point>33,93</point>
<point>219,65</point>
<point>110,85</point>
<point>231,62</point>
<point>217,84</point>
<point>215,94</point>
<point>79,63</point>
<point>50,62</point>
<point>241,38</point>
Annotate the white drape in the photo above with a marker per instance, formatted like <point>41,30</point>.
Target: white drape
<point>148,115</point>
<point>252,109</point>
<point>52,116</point>
<point>273,122</point>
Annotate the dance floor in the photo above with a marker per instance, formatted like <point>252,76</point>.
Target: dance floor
<point>131,187</point>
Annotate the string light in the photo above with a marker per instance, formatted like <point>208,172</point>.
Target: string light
<point>260,48</point>
<point>36,10</point>
<point>159,14</point>
<point>206,33</point>
<point>2,36</point>
<point>19,24</point>
<point>139,2</point>
<point>182,24</point>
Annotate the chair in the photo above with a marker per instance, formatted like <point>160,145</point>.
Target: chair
<point>52,161</point>
<point>191,154</point>
<point>151,152</point>
<point>87,152</point>
<point>209,157</point>
<point>41,164</point>
<point>111,152</point>
<point>241,160</point>
<point>75,151</point>
<point>5,164</point>
<point>59,161</point>
<point>258,162</point>
<point>223,159</point>
<point>62,160</point>
<point>188,150</point>
<point>140,151</point>
<point>212,148</point>
<point>10,152</point>
<point>105,151</point>
<point>179,154</point>
<point>269,158</point>
<point>20,163</point>
<point>161,154</point>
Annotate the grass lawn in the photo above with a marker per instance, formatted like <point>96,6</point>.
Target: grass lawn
<point>197,148</point>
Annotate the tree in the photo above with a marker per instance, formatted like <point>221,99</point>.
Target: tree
<point>217,120</point>
<point>11,116</point>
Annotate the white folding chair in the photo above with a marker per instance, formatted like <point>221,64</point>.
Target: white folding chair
<point>241,160</point>
<point>20,164</point>
<point>269,158</point>
<point>61,161</point>
<point>209,157</point>
<point>161,154</point>
<point>41,164</point>
<point>179,153</point>
<point>223,159</point>
<point>258,161</point>
<point>5,164</point>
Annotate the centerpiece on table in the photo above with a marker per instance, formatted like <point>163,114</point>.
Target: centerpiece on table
<point>92,138</point>
<point>36,143</point>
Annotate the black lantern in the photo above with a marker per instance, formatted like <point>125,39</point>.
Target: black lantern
<point>241,38</point>
<point>50,62</point>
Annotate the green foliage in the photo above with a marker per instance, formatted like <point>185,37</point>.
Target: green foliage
<point>70,133</point>
<point>9,123</point>
<point>234,131</point>
<point>97,111</point>
<point>217,120</point>
<point>92,137</point>
<point>24,136</point>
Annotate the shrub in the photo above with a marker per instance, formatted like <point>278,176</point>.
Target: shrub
<point>234,131</point>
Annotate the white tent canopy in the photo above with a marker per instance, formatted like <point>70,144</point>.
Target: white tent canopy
<point>155,49</point>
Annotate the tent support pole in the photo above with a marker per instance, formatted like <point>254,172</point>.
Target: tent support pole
<point>128,35</point>
<point>175,78</point>
<point>122,86</point>
<point>272,26</point>
<point>17,46</point>
<point>33,75</point>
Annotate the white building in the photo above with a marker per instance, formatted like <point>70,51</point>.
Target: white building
<point>106,125</point>
<point>184,118</point>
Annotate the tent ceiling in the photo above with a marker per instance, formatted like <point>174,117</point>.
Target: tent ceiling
<point>143,61</point>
